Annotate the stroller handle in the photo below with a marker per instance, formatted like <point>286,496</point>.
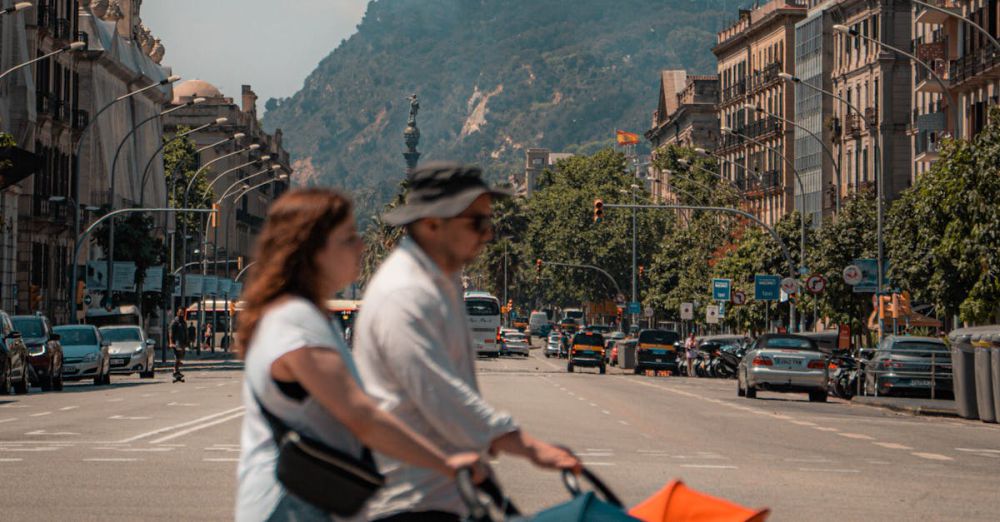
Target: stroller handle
<point>469,492</point>
<point>573,486</point>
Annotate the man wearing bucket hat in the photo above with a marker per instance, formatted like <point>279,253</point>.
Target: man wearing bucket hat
<point>414,349</point>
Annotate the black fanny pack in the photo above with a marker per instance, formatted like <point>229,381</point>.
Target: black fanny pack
<point>329,479</point>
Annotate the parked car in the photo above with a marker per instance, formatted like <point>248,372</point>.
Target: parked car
<point>783,363</point>
<point>45,352</point>
<point>587,350</point>
<point>14,365</point>
<point>656,351</point>
<point>131,351</point>
<point>909,365</point>
<point>553,347</point>
<point>515,343</point>
<point>85,353</point>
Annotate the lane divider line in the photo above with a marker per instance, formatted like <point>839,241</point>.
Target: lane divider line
<point>197,428</point>
<point>181,425</point>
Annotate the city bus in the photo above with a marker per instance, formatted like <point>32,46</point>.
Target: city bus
<point>219,313</point>
<point>344,312</point>
<point>483,310</point>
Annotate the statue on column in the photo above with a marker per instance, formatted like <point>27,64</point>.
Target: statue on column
<point>411,135</point>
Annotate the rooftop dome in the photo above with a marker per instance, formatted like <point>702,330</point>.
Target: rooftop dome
<point>193,89</point>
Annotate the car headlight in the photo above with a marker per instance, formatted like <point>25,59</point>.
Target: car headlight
<point>139,349</point>
<point>90,357</point>
<point>36,350</point>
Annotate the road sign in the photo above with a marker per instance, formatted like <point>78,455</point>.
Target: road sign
<point>635,308</point>
<point>790,285</point>
<point>621,298</point>
<point>687,311</point>
<point>722,309</point>
<point>816,284</point>
<point>648,312</point>
<point>766,287</point>
<point>869,275</point>
<point>721,289</point>
<point>852,275</point>
<point>739,298</point>
<point>124,277</point>
<point>87,300</point>
<point>712,314</point>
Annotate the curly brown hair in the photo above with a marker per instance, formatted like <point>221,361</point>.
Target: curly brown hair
<point>297,227</point>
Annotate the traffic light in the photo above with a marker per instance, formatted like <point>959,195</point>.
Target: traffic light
<point>214,216</point>
<point>239,263</point>
<point>642,270</point>
<point>538,270</point>
<point>81,289</point>
<point>598,210</point>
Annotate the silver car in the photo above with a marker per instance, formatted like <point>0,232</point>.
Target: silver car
<point>783,363</point>
<point>85,353</point>
<point>515,343</point>
<point>553,346</point>
<point>131,351</point>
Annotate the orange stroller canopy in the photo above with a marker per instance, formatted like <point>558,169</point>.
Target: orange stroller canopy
<point>679,503</point>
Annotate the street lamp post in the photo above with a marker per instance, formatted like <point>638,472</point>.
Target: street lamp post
<point>74,181</point>
<point>145,171</point>
<point>826,148</point>
<point>15,8</point>
<point>966,21</point>
<point>75,46</point>
<point>802,216</point>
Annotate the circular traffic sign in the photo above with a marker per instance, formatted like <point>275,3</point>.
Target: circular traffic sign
<point>790,285</point>
<point>739,298</point>
<point>648,312</point>
<point>852,275</point>
<point>87,300</point>
<point>816,284</point>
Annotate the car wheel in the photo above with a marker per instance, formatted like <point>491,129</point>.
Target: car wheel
<point>740,392</point>
<point>818,396</point>
<point>637,370</point>
<point>5,384</point>
<point>603,369</point>
<point>750,392</point>
<point>99,379</point>
<point>569,368</point>
<point>21,388</point>
<point>46,382</point>
<point>57,383</point>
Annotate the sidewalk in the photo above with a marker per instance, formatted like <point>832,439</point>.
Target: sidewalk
<point>937,408</point>
<point>206,361</point>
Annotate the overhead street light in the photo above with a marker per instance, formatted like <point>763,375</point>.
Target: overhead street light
<point>75,46</point>
<point>182,135</point>
<point>15,8</point>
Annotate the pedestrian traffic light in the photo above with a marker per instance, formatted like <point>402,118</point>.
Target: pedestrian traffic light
<point>81,289</point>
<point>642,270</point>
<point>213,218</point>
<point>598,210</point>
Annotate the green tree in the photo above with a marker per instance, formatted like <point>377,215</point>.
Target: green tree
<point>180,163</point>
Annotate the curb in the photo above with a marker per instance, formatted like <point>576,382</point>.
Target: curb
<point>911,410</point>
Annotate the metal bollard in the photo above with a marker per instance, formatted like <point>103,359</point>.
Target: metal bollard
<point>933,372</point>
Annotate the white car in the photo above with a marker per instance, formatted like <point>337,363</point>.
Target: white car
<point>554,345</point>
<point>783,363</point>
<point>131,351</point>
<point>515,343</point>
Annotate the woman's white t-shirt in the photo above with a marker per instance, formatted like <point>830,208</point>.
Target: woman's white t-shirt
<point>288,326</point>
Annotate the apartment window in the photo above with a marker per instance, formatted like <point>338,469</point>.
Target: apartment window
<point>864,163</point>
<point>875,20</point>
<point>875,95</point>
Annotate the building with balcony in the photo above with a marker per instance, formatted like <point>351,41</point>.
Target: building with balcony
<point>685,116</point>
<point>240,218</point>
<point>536,161</point>
<point>751,53</point>
<point>876,82</point>
<point>969,65</point>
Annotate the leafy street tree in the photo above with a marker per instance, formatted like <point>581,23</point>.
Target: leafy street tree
<point>180,163</point>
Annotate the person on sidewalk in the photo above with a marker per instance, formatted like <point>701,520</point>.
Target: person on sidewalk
<point>207,335</point>
<point>178,343</point>
<point>415,351</point>
<point>690,353</point>
<point>298,368</point>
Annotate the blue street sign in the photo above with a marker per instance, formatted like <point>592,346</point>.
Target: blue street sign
<point>721,289</point>
<point>869,275</point>
<point>766,287</point>
<point>634,307</point>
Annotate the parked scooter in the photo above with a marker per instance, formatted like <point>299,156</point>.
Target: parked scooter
<point>844,376</point>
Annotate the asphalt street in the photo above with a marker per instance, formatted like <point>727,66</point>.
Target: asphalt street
<point>153,450</point>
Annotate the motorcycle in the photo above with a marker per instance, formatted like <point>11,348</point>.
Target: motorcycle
<point>845,372</point>
<point>729,361</point>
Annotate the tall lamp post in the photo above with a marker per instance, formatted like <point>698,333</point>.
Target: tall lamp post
<point>75,46</point>
<point>964,20</point>
<point>163,145</point>
<point>74,181</point>
<point>15,8</point>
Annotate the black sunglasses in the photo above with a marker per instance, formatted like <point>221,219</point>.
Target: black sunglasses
<point>481,223</point>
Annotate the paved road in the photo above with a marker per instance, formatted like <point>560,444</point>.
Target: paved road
<point>153,450</point>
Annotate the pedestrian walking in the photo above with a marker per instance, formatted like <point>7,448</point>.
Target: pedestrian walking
<point>300,376</point>
<point>690,353</point>
<point>178,343</point>
<point>207,337</point>
<point>414,349</point>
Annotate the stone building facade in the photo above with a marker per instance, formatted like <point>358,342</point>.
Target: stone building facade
<point>751,53</point>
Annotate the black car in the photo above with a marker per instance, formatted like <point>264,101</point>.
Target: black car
<point>14,365</point>
<point>587,350</point>
<point>44,350</point>
<point>656,350</point>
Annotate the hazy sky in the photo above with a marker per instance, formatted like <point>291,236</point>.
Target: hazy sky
<point>269,44</point>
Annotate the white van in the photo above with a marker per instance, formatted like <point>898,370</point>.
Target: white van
<point>483,311</point>
<point>575,315</point>
<point>537,322</point>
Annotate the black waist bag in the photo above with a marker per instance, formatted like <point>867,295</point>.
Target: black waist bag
<point>329,479</point>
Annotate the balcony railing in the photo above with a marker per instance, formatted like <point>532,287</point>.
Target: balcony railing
<point>765,77</point>
<point>43,209</point>
<point>43,103</point>
<point>61,29</point>
<point>762,127</point>
<point>852,124</point>
<point>871,116</point>
<point>974,64</point>
<point>45,15</point>
<point>733,92</point>
<point>80,118</point>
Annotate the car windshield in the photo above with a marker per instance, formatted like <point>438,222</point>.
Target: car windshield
<point>791,343</point>
<point>589,339</point>
<point>919,348</point>
<point>481,307</point>
<point>658,337</point>
<point>121,334</point>
<point>29,326</point>
<point>600,329</point>
<point>76,336</point>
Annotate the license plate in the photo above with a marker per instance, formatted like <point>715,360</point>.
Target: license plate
<point>920,382</point>
<point>787,362</point>
<point>659,360</point>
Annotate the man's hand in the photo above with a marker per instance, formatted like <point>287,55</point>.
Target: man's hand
<point>469,460</point>
<point>547,456</point>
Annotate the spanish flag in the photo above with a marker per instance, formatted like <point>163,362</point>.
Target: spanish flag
<point>626,138</point>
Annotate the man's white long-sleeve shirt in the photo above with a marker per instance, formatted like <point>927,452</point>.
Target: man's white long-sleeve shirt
<point>415,354</point>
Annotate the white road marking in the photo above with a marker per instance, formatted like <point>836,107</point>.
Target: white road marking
<point>600,450</point>
<point>41,414</point>
<point>111,459</point>
<point>8,420</point>
<point>43,432</point>
<point>858,436</point>
<point>821,428</point>
<point>803,423</point>
<point>931,456</point>
<point>221,384</point>
<point>220,460</point>
<point>623,423</point>
<point>42,448</point>
<point>232,450</point>
<point>146,395</point>
<point>594,405</point>
<point>708,466</point>
<point>67,408</point>
<point>182,404</point>
<point>595,455</point>
<point>115,400</point>
<point>122,417</point>
<point>11,460</point>
<point>892,445</point>
<point>196,428</point>
<point>181,425</point>
<point>970,450</point>
<point>606,412</point>
<point>813,460</point>
<point>13,406</point>
<point>824,470</point>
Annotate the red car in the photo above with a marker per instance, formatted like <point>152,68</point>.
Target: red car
<point>45,353</point>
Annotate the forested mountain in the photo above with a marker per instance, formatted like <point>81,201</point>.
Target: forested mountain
<point>494,77</point>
